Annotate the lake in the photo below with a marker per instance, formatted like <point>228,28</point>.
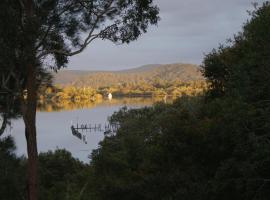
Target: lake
<point>54,125</point>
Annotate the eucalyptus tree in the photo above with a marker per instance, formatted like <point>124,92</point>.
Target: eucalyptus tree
<point>241,67</point>
<point>45,33</point>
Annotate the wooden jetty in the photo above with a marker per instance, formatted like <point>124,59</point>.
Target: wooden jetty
<point>96,127</point>
<point>107,129</point>
<point>78,134</point>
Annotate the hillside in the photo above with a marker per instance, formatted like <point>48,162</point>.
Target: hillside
<point>147,73</point>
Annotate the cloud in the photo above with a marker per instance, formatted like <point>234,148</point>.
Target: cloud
<point>187,30</point>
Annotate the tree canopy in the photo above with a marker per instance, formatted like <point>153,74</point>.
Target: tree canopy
<point>241,67</point>
<point>214,147</point>
<point>209,147</point>
<point>41,34</point>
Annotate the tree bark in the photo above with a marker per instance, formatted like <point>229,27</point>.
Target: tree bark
<point>29,116</point>
<point>4,124</point>
<point>30,105</point>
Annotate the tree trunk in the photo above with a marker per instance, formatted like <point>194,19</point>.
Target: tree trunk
<point>29,116</point>
<point>4,124</point>
<point>30,106</point>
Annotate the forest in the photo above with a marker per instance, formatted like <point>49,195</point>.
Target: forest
<point>174,80</point>
<point>146,74</point>
<point>212,145</point>
<point>158,88</point>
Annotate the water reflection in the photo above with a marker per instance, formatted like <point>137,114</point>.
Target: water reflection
<point>54,122</point>
<point>71,105</point>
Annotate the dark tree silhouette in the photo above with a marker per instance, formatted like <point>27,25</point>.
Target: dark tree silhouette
<point>34,31</point>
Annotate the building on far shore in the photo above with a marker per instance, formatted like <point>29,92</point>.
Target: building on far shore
<point>110,96</point>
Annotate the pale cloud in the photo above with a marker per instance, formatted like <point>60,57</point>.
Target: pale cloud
<point>188,29</point>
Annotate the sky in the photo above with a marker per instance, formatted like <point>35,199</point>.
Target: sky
<point>187,31</point>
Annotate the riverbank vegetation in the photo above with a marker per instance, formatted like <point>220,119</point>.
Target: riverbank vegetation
<point>214,146</point>
<point>157,81</point>
<point>157,89</point>
<point>145,74</point>
<point>70,105</point>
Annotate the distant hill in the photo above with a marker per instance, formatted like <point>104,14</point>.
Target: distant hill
<point>147,73</point>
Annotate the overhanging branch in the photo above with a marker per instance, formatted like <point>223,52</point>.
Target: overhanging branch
<point>4,124</point>
<point>90,37</point>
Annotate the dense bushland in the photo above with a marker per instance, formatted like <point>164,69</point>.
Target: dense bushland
<point>210,147</point>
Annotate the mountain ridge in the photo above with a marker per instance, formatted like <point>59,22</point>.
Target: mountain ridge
<point>146,73</point>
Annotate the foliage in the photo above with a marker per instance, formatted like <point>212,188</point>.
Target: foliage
<point>35,31</point>
<point>12,176</point>
<point>241,68</point>
<point>147,74</point>
<point>74,94</point>
<point>187,150</point>
<point>61,176</point>
<point>58,95</point>
<point>214,147</point>
<point>157,88</point>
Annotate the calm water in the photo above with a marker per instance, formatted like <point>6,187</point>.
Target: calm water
<point>53,127</point>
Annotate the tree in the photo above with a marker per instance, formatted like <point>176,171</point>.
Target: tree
<point>33,31</point>
<point>241,67</point>
<point>12,171</point>
<point>61,176</point>
<point>215,148</point>
<point>240,71</point>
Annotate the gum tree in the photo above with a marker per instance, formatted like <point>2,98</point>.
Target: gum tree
<point>42,34</point>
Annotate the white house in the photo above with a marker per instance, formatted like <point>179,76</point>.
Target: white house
<point>110,96</point>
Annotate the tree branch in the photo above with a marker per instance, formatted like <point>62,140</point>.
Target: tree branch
<point>51,25</point>
<point>82,190</point>
<point>22,12</point>
<point>4,124</point>
<point>87,40</point>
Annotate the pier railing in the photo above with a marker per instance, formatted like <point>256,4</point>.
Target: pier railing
<point>80,131</point>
